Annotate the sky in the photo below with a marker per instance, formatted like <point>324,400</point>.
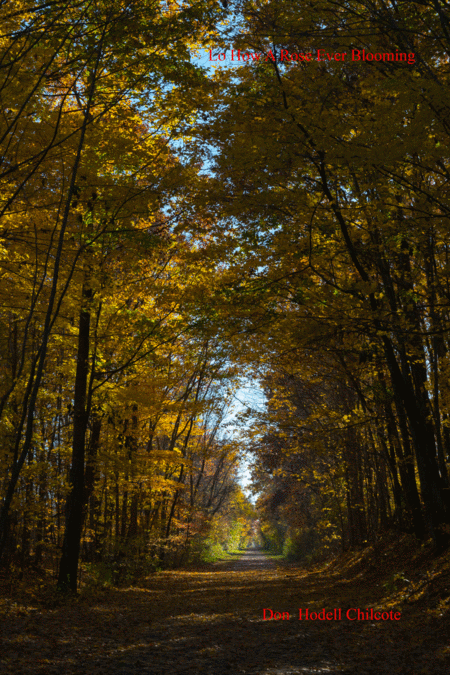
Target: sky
<point>248,397</point>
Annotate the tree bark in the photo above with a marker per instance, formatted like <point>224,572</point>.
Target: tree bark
<point>68,569</point>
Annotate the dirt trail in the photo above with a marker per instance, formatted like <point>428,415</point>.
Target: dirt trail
<point>250,560</point>
<point>210,622</point>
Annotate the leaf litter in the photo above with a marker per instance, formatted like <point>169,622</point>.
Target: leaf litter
<point>209,621</point>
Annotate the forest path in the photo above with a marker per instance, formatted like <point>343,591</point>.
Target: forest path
<point>249,560</point>
<point>210,621</point>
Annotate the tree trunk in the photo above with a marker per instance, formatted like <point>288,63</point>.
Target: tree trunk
<point>68,569</point>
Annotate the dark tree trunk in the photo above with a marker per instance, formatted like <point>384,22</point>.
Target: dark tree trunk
<point>68,569</point>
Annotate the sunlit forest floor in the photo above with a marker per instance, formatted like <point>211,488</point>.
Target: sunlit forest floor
<point>210,620</point>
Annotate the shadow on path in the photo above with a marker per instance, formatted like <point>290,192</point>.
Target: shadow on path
<point>211,622</point>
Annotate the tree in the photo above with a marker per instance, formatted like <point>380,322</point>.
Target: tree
<point>332,184</point>
<point>66,86</point>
